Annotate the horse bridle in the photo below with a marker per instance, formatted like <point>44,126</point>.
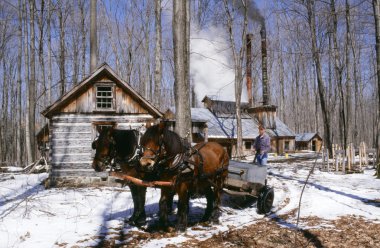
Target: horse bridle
<point>160,156</point>
<point>107,160</point>
<point>156,153</point>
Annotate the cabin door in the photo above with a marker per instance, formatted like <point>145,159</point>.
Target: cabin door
<point>314,145</point>
<point>97,127</point>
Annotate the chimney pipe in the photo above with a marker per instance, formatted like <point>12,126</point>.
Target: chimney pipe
<point>264,65</point>
<point>93,36</point>
<point>249,69</point>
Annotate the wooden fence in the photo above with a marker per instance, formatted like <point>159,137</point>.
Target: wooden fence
<point>348,160</point>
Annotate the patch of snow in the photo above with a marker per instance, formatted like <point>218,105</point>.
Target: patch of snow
<point>32,216</point>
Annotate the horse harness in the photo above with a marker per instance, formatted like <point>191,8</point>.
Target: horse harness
<point>114,161</point>
<point>183,164</point>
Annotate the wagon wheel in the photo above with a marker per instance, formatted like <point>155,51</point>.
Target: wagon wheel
<point>265,200</point>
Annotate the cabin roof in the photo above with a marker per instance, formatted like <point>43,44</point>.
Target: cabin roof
<point>306,137</point>
<point>225,109</point>
<point>86,83</point>
<point>223,127</point>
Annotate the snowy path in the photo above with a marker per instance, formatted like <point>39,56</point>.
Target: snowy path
<point>31,216</point>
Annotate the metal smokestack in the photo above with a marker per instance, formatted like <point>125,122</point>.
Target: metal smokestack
<point>249,69</point>
<point>264,65</point>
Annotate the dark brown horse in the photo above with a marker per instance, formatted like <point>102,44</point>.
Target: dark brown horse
<point>201,169</point>
<point>118,148</point>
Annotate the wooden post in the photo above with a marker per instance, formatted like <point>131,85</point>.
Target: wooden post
<point>344,160</point>
<point>348,157</point>
<point>334,147</point>
<point>365,154</point>
<point>323,157</point>
<point>360,155</point>
<point>327,156</point>
<point>353,153</point>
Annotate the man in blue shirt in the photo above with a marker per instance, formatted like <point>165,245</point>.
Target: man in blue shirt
<point>262,147</point>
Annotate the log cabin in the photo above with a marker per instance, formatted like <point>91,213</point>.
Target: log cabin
<point>221,122</point>
<point>309,141</point>
<point>102,99</point>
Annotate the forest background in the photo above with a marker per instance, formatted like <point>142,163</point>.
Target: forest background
<point>322,62</point>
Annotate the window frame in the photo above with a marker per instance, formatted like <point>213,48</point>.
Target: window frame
<point>286,145</point>
<point>248,145</point>
<point>113,96</point>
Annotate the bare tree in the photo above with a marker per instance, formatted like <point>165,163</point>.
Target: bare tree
<point>50,69</point>
<point>376,11</point>
<point>238,58</point>
<point>19,87</point>
<point>316,57</point>
<point>93,37</point>
<point>348,73</point>
<point>181,61</point>
<point>32,81</point>
<point>62,48</point>
<point>158,54</point>
<point>83,32</point>
<point>339,67</point>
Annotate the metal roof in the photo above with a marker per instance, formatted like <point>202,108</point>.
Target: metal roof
<point>223,127</point>
<point>305,137</point>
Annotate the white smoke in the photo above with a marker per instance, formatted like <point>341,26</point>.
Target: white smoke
<point>212,66</point>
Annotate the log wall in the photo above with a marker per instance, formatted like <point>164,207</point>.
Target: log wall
<point>71,136</point>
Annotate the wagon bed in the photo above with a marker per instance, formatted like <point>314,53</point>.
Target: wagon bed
<point>247,179</point>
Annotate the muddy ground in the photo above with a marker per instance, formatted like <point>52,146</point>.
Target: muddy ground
<point>349,231</point>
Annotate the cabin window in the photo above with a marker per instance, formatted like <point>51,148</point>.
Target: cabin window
<point>287,144</point>
<point>104,97</point>
<point>248,145</point>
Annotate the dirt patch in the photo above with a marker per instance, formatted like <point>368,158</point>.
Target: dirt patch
<point>344,232</point>
<point>348,231</point>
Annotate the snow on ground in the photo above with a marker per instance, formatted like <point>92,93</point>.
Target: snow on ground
<point>32,216</point>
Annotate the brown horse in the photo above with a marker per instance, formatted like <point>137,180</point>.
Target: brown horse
<point>196,170</point>
<point>118,148</point>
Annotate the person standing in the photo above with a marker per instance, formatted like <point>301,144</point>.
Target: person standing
<point>262,147</point>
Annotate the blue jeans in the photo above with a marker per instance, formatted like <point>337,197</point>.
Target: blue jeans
<point>262,159</point>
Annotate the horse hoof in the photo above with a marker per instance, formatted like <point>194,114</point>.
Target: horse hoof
<point>136,221</point>
<point>215,218</point>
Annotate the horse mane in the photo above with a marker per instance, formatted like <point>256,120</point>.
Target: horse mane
<point>172,141</point>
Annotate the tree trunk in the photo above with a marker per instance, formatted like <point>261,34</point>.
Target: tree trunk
<point>82,28</point>
<point>28,144</point>
<point>41,56</point>
<point>318,67</point>
<point>19,157</point>
<point>4,113</point>
<point>62,72</point>
<point>158,54</point>
<point>181,83</point>
<point>50,69</point>
<point>145,83</point>
<point>348,75</point>
<point>376,11</point>
<point>93,37</point>
<point>32,82</point>
<point>339,74</point>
